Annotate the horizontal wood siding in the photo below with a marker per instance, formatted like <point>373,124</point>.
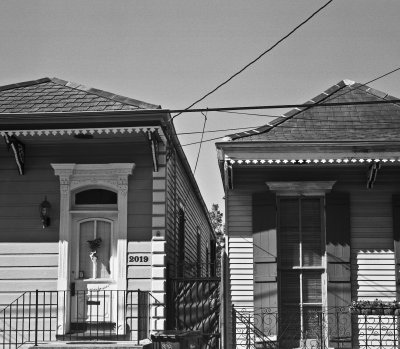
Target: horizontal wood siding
<point>180,190</point>
<point>21,195</point>
<point>371,220</point>
<point>373,261</point>
<point>27,267</point>
<point>240,290</point>
<point>29,253</point>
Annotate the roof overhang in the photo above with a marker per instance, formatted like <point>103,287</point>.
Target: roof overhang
<point>15,121</point>
<point>307,153</point>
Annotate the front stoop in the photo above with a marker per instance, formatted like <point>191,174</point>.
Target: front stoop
<point>89,345</point>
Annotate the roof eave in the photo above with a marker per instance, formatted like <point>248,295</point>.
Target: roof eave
<point>100,118</point>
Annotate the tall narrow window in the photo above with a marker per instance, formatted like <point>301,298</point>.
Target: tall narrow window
<point>181,241</point>
<point>213,257</point>
<point>198,264</point>
<point>301,247</point>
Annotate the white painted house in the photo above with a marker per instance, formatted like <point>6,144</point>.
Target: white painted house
<point>312,207</point>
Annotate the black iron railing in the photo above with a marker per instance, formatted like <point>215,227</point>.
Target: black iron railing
<point>95,315</point>
<point>314,328</point>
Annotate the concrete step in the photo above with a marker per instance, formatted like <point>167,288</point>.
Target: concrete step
<point>88,345</point>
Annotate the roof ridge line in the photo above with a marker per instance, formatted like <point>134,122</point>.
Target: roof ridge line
<point>24,84</point>
<point>291,113</point>
<point>377,93</point>
<point>105,94</point>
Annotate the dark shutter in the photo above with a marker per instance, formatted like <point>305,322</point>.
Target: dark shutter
<point>338,255</point>
<point>265,251</point>
<point>396,237</point>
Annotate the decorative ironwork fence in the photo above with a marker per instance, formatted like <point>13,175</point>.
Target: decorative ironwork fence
<point>43,316</point>
<point>194,301</point>
<point>331,328</point>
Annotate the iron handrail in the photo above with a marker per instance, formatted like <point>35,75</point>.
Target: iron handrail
<point>35,316</point>
<point>251,328</point>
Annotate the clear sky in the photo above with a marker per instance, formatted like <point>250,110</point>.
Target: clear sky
<point>171,52</point>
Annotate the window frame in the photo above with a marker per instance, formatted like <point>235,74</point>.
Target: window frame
<point>301,269</point>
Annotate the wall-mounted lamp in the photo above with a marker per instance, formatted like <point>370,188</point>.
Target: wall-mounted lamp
<point>44,210</point>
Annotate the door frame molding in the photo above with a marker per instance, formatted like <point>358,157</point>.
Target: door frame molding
<point>73,177</point>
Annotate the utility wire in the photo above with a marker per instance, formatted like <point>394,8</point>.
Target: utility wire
<point>270,106</point>
<point>332,97</point>
<point>251,114</point>
<point>364,84</point>
<point>201,142</point>
<point>216,130</point>
<point>204,141</point>
<point>314,126</point>
<point>256,59</point>
<point>324,101</point>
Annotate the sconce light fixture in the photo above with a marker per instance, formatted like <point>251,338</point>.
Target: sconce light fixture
<point>44,210</point>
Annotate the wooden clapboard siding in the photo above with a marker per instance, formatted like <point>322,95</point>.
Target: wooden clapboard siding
<point>240,251</point>
<point>374,272</point>
<point>239,213</point>
<point>21,195</point>
<point>180,190</point>
<point>27,267</point>
<point>372,254</point>
<point>372,244</point>
<point>240,248</point>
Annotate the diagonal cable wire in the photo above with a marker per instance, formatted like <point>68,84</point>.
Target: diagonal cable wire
<point>201,142</point>
<point>257,58</point>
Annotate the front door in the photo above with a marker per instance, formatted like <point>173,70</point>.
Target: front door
<point>92,271</point>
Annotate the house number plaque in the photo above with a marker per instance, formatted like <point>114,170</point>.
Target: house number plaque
<point>139,259</point>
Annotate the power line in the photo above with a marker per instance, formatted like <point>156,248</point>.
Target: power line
<point>394,126</point>
<point>201,143</point>
<point>323,102</point>
<point>365,83</point>
<point>272,106</point>
<point>204,141</point>
<point>217,130</point>
<point>257,58</point>
<point>332,97</point>
<point>251,114</point>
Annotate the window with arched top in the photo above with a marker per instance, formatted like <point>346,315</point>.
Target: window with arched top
<point>96,196</point>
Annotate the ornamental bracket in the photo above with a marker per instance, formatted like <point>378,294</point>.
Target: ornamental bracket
<point>372,173</point>
<point>152,139</point>
<point>228,175</point>
<point>18,149</point>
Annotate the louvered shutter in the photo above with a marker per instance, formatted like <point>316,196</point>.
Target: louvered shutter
<point>396,237</point>
<point>338,255</point>
<point>265,262</point>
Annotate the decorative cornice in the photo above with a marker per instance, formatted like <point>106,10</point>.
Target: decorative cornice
<point>75,131</point>
<point>74,176</point>
<point>301,188</point>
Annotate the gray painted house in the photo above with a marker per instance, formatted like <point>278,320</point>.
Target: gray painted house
<point>97,199</point>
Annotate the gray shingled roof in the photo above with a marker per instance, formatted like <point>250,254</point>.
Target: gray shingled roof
<point>318,123</point>
<point>55,95</point>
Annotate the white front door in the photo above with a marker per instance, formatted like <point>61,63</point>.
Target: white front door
<point>93,255</point>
